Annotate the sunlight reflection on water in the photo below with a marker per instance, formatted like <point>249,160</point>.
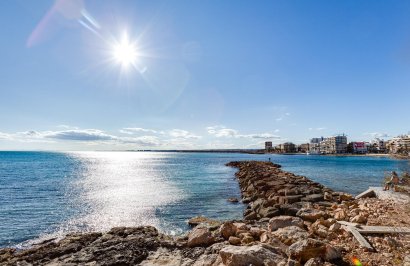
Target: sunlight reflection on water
<point>122,189</point>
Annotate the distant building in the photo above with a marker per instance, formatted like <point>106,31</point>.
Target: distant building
<point>357,147</point>
<point>316,140</point>
<point>268,146</point>
<point>287,147</point>
<point>334,145</point>
<point>304,147</point>
<point>378,146</point>
<point>314,145</point>
<point>399,145</point>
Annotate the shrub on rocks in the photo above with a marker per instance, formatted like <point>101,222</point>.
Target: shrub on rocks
<point>284,221</point>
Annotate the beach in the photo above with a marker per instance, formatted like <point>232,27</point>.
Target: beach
<point>289,220</point>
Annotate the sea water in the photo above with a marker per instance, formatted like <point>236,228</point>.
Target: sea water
<point>48,194</point>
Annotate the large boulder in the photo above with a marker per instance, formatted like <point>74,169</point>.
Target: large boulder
<point>227,229</point>
<point>283,221</point>
<point>257,255</point>
<point>311,215</point>
<point>291,234</point>
<point>203,220</point>
<point>340,214</point>
<point>206,260</point>
<point>200,236</point>
<point>313,197</point>
<point>304,250</point>
<point>269,212</point>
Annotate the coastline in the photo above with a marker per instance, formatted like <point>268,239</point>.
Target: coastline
<point>289,220</point>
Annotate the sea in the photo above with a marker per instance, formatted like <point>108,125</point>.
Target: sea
<point>46,195</point>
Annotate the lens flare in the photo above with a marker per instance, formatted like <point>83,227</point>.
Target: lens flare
<point>356,262</point>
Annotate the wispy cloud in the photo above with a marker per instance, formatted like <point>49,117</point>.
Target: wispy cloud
<point>5,136</point>
<point>133,130</point>
<point>146,141</point>
<point>377,135</point>
<point>182,134</point>
<point>78,135</point>
<point>317,129</point>
<point>222,131</point>
<point>172,138</point>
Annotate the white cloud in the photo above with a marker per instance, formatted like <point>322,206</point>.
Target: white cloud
<point>377,135</point>
<point>222,131</point>
<point>182,134</point>
<point>5,136</point>
<point>132,130</point>
<point>78,135</point>
<point>67,127</point>
<point>260,136</point>
<point>317,128</point>
<point>279,119</point>
<point>146,141</point>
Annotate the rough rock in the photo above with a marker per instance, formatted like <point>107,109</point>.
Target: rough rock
<point>340,215</point>
<point>200,236</point>
<point>314,262</point>
<point>206,260</point>
<point>257,255</point>
<point>233,240</point>
<point>304,250</point>
<point>233,200</point>
<point>310,214</point>
<point>227,229</point>
<point>269,212</point>
<point>361,219</point>
<point>313,198</point>
<point>284,221</point>
<point>202,220</point>
<point>332,253</point>
<point>291,234</point>
<point>334,227</point>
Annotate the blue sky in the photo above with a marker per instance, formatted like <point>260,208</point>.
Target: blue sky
<point>208,74</point>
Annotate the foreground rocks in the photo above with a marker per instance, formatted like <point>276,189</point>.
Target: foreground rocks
<point>289,220</point>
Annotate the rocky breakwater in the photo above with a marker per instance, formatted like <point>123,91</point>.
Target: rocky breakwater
<point>305,219</point>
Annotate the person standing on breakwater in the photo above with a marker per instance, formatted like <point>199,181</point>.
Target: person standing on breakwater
<point>394,180</point>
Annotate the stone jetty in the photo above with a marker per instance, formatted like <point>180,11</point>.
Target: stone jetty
<point>288,220</point>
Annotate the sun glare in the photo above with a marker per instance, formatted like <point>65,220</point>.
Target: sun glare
<point>125,52</point>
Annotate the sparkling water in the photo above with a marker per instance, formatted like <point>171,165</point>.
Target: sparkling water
<point>48,194</point>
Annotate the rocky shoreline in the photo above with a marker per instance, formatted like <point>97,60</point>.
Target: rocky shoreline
<point>289,220</point>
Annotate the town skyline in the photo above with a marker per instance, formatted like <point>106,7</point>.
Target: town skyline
<point>129,75</point>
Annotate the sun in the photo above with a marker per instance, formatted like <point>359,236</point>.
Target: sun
<point>125,52</point>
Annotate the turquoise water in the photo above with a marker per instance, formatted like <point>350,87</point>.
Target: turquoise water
<point>44,194</point>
